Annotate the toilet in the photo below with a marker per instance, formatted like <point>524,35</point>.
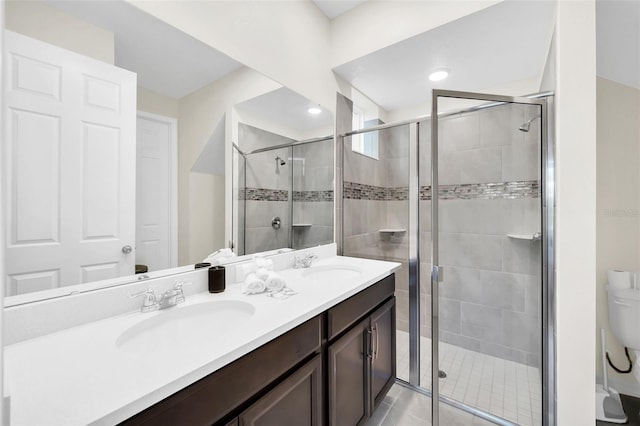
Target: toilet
<point>624,319</point>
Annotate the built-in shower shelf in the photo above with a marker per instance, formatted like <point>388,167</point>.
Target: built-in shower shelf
<point>392,230</point>
<point>301,225</point>
<point>528,237</point>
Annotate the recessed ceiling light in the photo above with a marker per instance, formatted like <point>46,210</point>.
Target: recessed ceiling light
<point>314,110</point>
<point>438,75</point>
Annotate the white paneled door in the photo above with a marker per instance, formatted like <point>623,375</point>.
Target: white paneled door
<point>70,130</point>
<point>155,186</point>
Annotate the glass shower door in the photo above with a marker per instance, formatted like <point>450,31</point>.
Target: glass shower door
<point>486,279</point>
<point>312,207</point>
<point>376,215</point>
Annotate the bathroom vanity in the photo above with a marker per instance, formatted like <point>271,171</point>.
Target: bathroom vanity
<point>345,355</point>
<point>323,356</point>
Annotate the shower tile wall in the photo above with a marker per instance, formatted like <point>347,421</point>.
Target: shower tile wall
<point>313,194</point>
<point>489,187</point>
<point>375,196</point>
<point>267,190</point>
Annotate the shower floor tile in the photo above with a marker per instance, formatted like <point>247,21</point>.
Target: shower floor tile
<point>500,387</point>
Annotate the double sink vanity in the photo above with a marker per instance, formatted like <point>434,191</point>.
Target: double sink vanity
<point>325,355</point>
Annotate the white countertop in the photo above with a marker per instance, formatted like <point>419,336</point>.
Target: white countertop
<point>78,376</point>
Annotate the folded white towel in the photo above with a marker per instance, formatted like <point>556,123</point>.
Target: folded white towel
<point>275,282</point>
<point>220,256</point>
<point>262,273</point>
<point>243,271</point>
<point>253,285</point>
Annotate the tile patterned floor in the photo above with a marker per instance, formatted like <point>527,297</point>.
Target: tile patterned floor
<point>404,407</point>
<point>504,388</point>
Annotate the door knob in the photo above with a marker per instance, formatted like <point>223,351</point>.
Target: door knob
<point>127,249</point>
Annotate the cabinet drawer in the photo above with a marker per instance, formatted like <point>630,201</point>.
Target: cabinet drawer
<point>342,316</point>
<point>297,401</point>
<point>216,395</point>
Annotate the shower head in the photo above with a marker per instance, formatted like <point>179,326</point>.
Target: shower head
<point>280,161</point>
<point>525,126</point>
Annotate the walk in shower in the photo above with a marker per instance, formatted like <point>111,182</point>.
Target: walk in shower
<point>461,200</point>
<point>282,192</point>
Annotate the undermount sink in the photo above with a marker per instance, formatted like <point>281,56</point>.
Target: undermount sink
<point>331,272</point>
<point>184,326</point>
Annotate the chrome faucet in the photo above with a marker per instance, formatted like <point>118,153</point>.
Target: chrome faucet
<point>303,262</point>
<point>168,299</point>
<point>150,302</point>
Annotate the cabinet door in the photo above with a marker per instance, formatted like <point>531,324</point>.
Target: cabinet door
<point>297,401</point>
<point>348,377</point>
<point>383,361</point>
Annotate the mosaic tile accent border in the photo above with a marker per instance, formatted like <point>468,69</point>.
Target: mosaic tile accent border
<point>263,194</point>
<point>313,196</point>
<point>467,191</point>
<point>487,191</point>
<point>360,191</point>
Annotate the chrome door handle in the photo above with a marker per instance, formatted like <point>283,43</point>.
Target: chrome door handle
<point>127,249</point>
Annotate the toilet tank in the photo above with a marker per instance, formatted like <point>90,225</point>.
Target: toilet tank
<point>624,315</point>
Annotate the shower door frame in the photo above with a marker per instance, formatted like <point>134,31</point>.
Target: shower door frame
<point>547,145</point>
<point>291,146</point>
<point>547,187</point>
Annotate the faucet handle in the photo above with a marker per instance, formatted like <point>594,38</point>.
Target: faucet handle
<point>180,284</point>
<point>306,262</point>
<point>178,288</point>
<point>150,302</point>
<point>149,293</point>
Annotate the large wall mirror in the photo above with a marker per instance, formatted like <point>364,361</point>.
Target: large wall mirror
<point>121,131</point>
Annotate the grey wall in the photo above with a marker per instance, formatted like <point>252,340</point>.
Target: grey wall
<point>313,194</point>
<point>489,187</point>
<point>267,191</point>
<point>375,195</point>
<point>303,187</point>
<point>489,175</point>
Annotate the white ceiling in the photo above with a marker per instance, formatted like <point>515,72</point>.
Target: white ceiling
<point>334,8</point>
<point>504,43</point>
<point>618,41</point>
<point>510,40</point>
<point>289,110</point>
<point>166,60</point>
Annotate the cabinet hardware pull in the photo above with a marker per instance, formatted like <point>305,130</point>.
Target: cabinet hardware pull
<point>377,337</point>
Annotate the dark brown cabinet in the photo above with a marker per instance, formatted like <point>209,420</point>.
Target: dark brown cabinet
<point>295,402</point>
<point>383,358</point>
<point>347,365</point>
<point>361,367</point>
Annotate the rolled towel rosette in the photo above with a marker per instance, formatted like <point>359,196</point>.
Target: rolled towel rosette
<point>262,274</point>
<point>253,285</point>
<point>275,282</point>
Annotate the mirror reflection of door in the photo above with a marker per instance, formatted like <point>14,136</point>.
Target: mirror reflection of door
<point>155,203</point>
<point>68,119</point>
